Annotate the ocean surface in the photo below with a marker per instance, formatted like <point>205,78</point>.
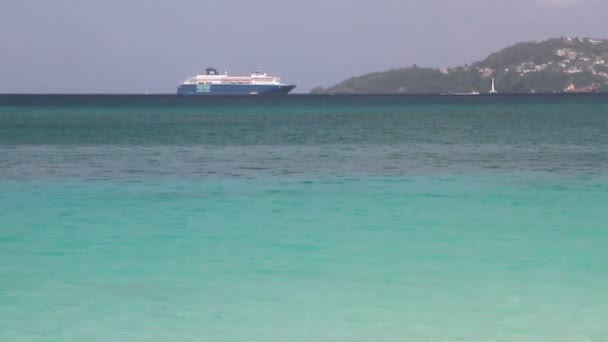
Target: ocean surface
<point>304,218</point>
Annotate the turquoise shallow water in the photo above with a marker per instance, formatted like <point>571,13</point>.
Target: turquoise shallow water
<point>303,218</point>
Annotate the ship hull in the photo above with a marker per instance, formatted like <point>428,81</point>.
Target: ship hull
<point>234,89</point>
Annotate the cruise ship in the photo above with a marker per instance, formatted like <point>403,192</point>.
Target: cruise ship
<point>214,83</point>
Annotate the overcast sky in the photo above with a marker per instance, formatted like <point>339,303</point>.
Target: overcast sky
<point>134,46</point>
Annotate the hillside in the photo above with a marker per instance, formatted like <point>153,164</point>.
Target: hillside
<point>540,66</point>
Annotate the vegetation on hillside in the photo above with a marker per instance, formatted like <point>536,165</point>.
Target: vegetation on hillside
<point>539,66</point>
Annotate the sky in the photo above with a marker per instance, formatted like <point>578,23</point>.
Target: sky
<point>137,46</point>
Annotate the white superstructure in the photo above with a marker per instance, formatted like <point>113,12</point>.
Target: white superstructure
<point>213,77</point>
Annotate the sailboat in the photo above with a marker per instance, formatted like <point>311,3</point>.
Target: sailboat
<point>493,90</point>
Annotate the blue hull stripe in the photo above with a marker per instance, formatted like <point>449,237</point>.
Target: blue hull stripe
<point>233,89</point>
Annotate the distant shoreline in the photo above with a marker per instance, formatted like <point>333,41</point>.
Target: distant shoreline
<point>304,95</point>
<point>562,64</point>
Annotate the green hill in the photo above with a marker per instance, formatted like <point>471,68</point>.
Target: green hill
<point>539,66</point>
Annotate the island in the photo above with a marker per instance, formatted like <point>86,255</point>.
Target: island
<point>554,65</point>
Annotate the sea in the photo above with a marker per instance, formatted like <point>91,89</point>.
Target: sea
<point>304,218</point>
